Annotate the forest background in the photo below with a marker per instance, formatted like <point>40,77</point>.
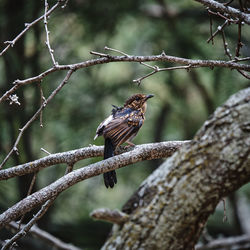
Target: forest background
<point>183,100</point>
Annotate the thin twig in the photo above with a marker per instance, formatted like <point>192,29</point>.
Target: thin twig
<point>42,99</point>
<point>27,27</point>
<point>226,4</point>
<point>226,9</point>
<point>225,17</point>
<point>99,54</point>
<point>225,44</point>
<point>211,27</point>
<point>52,95</point>
<point>156,69</point>
<point>39,214</point>
<point>45,236</point>
<point>224,210</point>
<point>235,242</point>
<point>239,43</point>
<point>27,227</point>
<point>105,58</point>
<point>47,42</point>
<point>236,59</point>
<point>244,74</point>
<point>29,192</point>
<point>116,50</point>
<point>219,29</point>
<point>45,151</point>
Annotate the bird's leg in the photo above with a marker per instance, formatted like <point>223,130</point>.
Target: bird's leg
<point>130,144</point>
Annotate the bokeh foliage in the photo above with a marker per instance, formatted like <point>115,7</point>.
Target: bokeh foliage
<point>183,100</point>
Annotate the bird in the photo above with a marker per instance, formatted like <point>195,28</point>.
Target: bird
<point>121,126</point>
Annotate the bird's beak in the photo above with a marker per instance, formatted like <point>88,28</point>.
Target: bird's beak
<point>149,96</point>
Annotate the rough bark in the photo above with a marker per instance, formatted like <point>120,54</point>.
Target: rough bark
<point>170,208</point>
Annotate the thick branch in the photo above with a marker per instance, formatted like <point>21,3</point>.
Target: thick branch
<point>140,153</point>
<point>73,156</point>
<point>171,207</point>
<point>226,9</point>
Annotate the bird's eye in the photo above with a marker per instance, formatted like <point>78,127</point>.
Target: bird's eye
<point>137,98</point>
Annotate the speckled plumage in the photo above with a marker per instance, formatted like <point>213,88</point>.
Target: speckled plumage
<point>122,126</point>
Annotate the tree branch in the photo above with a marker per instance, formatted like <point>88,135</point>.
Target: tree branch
<point>25,229</point>
<point>44,104</point>
<point>47,42</point>
<point>27,27</point>
<point>140,153</point>
<point>45,236</point>
<point>105,58</point>
<point>226,9</point>
<point>236,243</point>
<point>165,149</point>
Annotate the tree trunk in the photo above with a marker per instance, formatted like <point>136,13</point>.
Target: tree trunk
<point>171,207</point>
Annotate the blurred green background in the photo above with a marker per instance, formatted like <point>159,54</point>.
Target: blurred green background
<point>183,100</point>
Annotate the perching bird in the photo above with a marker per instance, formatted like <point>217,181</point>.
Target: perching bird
<point>122,126</point>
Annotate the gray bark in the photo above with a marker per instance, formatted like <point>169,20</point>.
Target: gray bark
<point>171,207</point>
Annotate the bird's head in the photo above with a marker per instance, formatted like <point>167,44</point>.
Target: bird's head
<point>137,101</point>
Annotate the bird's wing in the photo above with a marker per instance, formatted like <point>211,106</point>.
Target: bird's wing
<point>123,127</point>
<point>100,128</point>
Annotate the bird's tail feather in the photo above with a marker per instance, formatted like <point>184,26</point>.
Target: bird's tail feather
<point>109,177</point>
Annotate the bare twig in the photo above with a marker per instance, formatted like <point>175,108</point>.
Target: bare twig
<point>116,50</point>
<point>52,95</point>
<point>47,42</point>
<point>219,29</point>
<point>226,9</point>
<point>224,210</point>
<point>65,4</point>
<point>157,69</point>
<point>237,243</point>
<point>45,236</point>
<point>25,229</point>
<point>70,157</point>
<point>105,58</point>
<point>225,44</point>
<point>239,43</point>
<point>39,214</point>
<point>211,27</point>
<point>45,151</point>
<point>29,192</point>
<point>42,99</point>
<point>225,17</point>
<point>27,27</point>
<point>99,54</point>
<point>244,74</point>
<point>236,59</point>
<point>229,2</point>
